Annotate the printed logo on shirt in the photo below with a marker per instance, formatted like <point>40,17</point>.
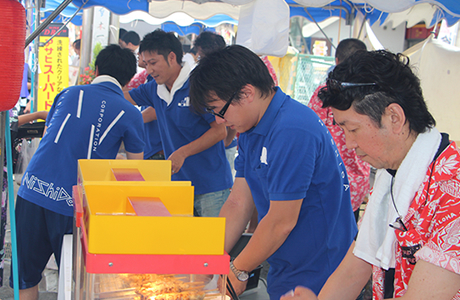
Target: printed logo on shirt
<point>184,102</point>
<point>263,156</point>
<point>46,189</point>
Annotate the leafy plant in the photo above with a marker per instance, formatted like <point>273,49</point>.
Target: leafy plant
<point>89,73</point>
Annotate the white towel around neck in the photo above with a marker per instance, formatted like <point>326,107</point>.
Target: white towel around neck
<point>376,240</point>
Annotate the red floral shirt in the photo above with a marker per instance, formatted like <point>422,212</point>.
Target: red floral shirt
<point>357,170</point>
<point>270,68</point>
<point>433,225</point>
<point>138,79</point>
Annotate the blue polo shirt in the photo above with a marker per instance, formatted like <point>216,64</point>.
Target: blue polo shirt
<point>85,122</point>
<point>209,170</point>
<point>291,155</point>
<point>152,134</point>
<point>152,137</point>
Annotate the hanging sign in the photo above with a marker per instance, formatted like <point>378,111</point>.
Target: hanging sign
<point>54,66</point>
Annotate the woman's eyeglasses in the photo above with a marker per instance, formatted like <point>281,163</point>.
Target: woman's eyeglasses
<point>221,113</point>
<point>337,86</point>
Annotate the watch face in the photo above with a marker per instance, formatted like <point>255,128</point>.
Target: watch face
<point>243,276</point>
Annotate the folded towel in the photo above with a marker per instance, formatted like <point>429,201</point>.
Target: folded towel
<point>376,241</point>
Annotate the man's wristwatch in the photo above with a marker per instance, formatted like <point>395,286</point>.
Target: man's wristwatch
<point>240,275</point>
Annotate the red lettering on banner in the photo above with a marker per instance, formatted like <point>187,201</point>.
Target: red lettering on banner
<point>50,67</point>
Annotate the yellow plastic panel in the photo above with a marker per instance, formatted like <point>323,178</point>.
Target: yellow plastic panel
<point>110,199</point>
<point>97,170</point>
<point>156,235</point>
<point>113,228</point>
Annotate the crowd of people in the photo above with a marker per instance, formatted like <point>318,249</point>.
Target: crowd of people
<point>301,172</point>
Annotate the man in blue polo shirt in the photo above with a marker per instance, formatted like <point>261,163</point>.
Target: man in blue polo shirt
<point>191,141</point>
<point>288,167</point>
<point>85,122</point>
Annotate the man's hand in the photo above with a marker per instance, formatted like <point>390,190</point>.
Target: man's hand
<point>177,159</point>
<point>300,293</point>
<point>238,286</point>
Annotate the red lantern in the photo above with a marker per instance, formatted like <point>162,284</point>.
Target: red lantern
<point>12,41</point>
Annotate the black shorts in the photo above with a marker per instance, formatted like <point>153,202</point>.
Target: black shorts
<point>39,233</point>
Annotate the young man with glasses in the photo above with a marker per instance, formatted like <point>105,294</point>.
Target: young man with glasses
<point>191,141</point>
<point>287,167</point>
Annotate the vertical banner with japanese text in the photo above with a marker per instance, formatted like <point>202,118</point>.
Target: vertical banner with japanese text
<point>54,65</point>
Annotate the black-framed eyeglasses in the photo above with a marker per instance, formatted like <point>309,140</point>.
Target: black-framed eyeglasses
<point>337,86</point>
<point>221,113</point>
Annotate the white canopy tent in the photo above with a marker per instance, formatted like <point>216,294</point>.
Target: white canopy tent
<point>436,64</point>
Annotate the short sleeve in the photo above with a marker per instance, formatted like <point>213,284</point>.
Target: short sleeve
<point>239,160</point>
<point>133,138</point>
<point>142,94</point>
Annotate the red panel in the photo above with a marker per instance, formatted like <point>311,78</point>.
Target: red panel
<point>149,207</point>
<point>77,205</point>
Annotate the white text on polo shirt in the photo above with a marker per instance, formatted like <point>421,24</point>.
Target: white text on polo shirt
<point>97,134</point>
<point>46,189</point>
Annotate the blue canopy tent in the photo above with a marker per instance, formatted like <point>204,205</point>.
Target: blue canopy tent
<point>63,18</point>
<point>313,10</point>
<point>195,28</point>
<point>179,22</point>
<point>375,9</point>
<point>199,25</point>
<point>444,9</point>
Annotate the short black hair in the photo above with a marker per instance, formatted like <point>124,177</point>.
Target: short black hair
<point>225,72</point>
<point>117,62</point>
<point>193,51</point>
<point>121,33</point>
<point>77,43</point>
<point>347,47</point>
<point>162,43</point>
<point>131,37</point>
<point>395,83</point>
<point>209,42</point>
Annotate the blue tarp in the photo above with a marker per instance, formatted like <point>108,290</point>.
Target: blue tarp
<point>449,9</point>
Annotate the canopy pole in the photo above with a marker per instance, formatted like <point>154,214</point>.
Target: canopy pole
<point>64,25</point>
<point>14,249</point>
<point>319,27</point>
<point>48,20</point>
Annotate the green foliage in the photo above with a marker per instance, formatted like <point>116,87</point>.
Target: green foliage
<point>96,51</point>
<point>89,72</point>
